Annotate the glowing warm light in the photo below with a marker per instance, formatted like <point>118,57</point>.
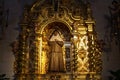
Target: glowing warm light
<point>82,43</point>
<point>75,37</point>
<point>82,53</point>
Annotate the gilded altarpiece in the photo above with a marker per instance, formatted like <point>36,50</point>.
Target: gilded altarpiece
<point>81,52</point>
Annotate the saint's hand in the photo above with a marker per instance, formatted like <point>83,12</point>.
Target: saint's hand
<point>56,39</point>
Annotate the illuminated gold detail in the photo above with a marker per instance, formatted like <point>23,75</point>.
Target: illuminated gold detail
<point>82,52</point>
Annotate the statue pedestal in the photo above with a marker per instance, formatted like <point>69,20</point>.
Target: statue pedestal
<point>56,76</point>
<point>68,76</point>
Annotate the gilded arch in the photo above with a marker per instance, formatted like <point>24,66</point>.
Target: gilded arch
<point>65,33</point>
<point>52,21</point>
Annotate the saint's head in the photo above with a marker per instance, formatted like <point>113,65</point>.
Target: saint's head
<point>56,36</point>
<point>55,33</point>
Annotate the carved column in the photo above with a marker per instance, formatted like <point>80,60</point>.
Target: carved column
<point>21,62</point>
<point>74,52</point>
<point>95,63</point>
<point>38,40</point>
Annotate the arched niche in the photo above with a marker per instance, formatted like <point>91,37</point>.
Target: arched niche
<point>65,34</point>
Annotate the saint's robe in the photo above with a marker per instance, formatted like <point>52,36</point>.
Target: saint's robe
<point>56,61</point>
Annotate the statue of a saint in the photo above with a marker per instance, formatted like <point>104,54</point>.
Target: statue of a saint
<point>56,61</point>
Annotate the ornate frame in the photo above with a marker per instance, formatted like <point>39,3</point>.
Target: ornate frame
<point>85,50</point>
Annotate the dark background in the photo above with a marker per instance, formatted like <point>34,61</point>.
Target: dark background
<point>111,59</point>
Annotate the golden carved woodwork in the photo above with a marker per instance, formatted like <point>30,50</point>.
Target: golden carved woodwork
<point>82,53</point>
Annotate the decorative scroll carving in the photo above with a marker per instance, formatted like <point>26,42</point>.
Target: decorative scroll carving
<point>82,53</point>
